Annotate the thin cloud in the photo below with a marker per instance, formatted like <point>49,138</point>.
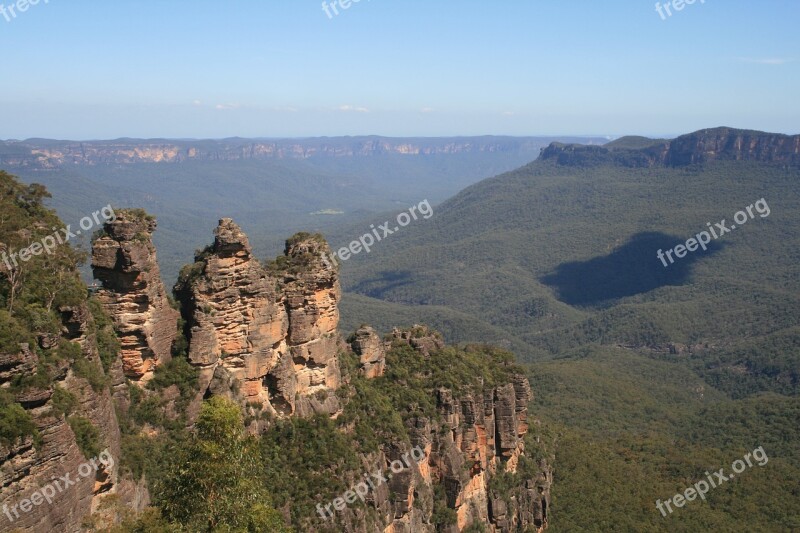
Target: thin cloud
<point>352,109</point>
<point>227,107</point>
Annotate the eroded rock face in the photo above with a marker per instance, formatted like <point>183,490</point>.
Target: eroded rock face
<point>732,144</point>
<point>368,346</point>
<point>312,294</point>
<point>724,144</point>
<point>267,338</point>
<point>124,260</point>
<point>421,338</point>
<point>479,433</point>
<point>484,435</point>
<point>26,468</point>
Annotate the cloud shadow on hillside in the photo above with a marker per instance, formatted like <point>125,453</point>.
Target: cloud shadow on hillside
<point>629,270</point>
<point>380,286</point>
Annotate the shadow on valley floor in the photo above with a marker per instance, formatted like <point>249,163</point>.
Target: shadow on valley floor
<point>629,270</point>
<point>380,286</point>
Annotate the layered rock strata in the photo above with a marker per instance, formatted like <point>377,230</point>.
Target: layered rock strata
<point>477,435</point>
<point>267,337</point>
<point>27,465</point>
<point>124,260</point>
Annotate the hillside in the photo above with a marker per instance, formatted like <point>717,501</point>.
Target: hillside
<point>555,244</point>
<point>562,255</point>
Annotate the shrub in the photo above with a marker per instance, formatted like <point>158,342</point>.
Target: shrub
<point>63,401</point>
<point>15,422</point>
<point>91,372</point>
<point>87,436</point>
<point>12,333</point>
<point>178,371</point>
<point>107,342</point>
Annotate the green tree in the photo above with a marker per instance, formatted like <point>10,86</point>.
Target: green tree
<point>214,484</point>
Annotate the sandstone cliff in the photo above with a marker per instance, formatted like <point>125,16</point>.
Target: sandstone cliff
<point>59,154</point>
<point>32,463</point>
<point>124,260</point>
<point>266,337</point>
<point>480,435</point>
<point>732,144</point>
<point>699,147</point>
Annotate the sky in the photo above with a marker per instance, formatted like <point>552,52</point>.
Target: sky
<point>83,69</point>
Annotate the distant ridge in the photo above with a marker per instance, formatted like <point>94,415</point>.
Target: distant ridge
<point>50,154</point>
<point>694,148</point>
<point>634,142</point>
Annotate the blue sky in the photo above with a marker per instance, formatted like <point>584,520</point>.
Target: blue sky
<point>81,69</point>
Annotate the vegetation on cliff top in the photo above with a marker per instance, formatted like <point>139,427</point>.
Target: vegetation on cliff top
<point>38,291</point>
<point>213,478</point>
<point>323,453</point>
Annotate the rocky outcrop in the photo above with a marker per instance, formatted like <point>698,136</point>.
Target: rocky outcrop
<point>124,260</point>
<point>312,294</point>
<point>369,348</point>
<point>724,144</point>
<point>28,465</point>
<point>420,337</point>
<point>478,434</point>
<point>266,337</point>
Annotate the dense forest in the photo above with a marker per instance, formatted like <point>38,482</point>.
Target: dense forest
<point>647,376</point>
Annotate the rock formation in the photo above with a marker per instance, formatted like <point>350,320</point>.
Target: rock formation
<point>367,344</point>
<point>699,147</point>
<point>421,338</point>
<point>124,260</point>
<point>267,337</point>
<point>27,465</point>
<point>482,434</point>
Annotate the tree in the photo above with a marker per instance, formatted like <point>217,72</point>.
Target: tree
<point>214,485</point>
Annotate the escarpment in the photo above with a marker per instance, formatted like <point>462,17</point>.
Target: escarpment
<point>59,383</point>
<point>478,434</point>
<point>715,144</point>
<point>265,336</point>
<point>124,260</point>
